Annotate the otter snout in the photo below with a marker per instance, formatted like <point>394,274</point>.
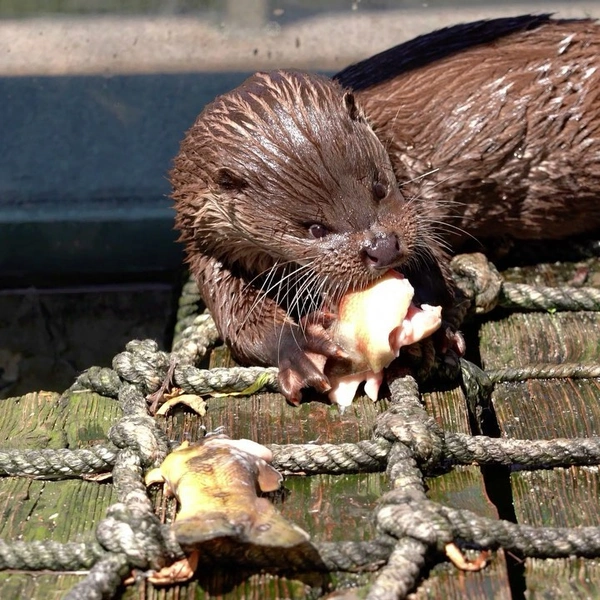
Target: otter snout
<point>383,251</point>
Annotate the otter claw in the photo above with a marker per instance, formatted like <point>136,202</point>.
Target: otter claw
<point>316,338</point>
<point>292,380</point>
<point>450,340</point>
<point>302,357</point>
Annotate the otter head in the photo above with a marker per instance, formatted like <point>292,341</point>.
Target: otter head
<point>286,170</point>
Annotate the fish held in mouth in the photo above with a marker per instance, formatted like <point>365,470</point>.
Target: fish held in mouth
<point>373,325</point>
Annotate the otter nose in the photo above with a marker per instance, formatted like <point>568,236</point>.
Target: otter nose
<point>383,251</point>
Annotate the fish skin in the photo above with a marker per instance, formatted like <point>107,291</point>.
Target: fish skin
<point>217,483</point>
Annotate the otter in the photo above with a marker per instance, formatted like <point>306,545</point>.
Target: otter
<point>504,115</point>
<point>294,188</point>
<point>286,199</point>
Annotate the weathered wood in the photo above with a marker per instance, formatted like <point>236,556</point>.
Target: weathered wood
<point>62,511</point>
<point>560,498</point>
<point>583,272</point>
<point>546,409</point>
<point>565,579</point>
<point>462,488</point>
<point>526,338</point>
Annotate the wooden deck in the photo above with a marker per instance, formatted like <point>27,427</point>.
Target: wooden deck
<point>341,507</point>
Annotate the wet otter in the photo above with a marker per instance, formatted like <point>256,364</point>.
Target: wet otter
<point>505,114</point>
<point>292,189</point>
<point>285,200</point>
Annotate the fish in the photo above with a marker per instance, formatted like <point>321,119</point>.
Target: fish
<point>372,325</point>
<point>217,483</point>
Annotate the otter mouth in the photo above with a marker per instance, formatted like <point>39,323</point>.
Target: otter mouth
<point>372,325</point>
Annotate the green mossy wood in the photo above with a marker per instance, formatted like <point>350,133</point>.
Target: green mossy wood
<point>547,409</point>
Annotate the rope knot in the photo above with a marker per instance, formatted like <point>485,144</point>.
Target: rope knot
<point>478,279</point>
<point>408,513</point>
<point>139,434</point>
<point>137,534</point>
<point>142,363</point>
<point>407,422</point>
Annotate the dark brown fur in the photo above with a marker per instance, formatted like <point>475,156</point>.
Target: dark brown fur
<point>511,128</point>
<point>283,179</point>
<point>262,164</point>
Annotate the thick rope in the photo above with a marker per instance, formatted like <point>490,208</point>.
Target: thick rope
<point>406,514</point>
<point>402,571</point>
<point>546,371</point>
<point>222,380</point>
<point>478,280</point>
<point>58,464</point>
<point>103,580</point>
<point>407,441</point>
<point>194,341</point>
<point>103,381</point>
<point>142,363</point>
<point>188,306</point>
<point>367,455</point>
<point>38,555</point>
<point>528,454</point>
<point>483,286</point>
<point>355,556</point>
<point>131,532</point>
<point>421,525</point>
<point>523,296</point>
<point>457,449</point>
<point>364,456</point>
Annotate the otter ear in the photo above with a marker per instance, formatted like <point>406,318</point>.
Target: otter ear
<point>226,179</point>
<point>354,112</point>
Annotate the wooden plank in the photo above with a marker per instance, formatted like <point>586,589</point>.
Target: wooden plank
<point>578,487</point>
<point>563,498</point>
<point>449,409</point>
<point>335,507</point>
<point>565,579</point>
<point>42,586</point>
<point>66,510</point>
<point>546,409</point>
<point>526,338</point>
<point>461,488</point>
<point>583,272</point>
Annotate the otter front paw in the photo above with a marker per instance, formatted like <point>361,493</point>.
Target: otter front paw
<point>302,351</point>
<point>449,339</point>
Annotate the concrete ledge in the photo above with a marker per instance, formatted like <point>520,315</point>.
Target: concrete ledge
<point>168,44</point>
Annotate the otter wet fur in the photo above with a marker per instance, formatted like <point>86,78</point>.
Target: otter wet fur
<point>295,188</point>
<point>507,123</point>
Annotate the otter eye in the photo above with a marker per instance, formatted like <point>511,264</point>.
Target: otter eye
<point>317,230</point>
<point>380,190</point>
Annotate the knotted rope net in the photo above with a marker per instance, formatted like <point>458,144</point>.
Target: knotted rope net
<point>406,443</point>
